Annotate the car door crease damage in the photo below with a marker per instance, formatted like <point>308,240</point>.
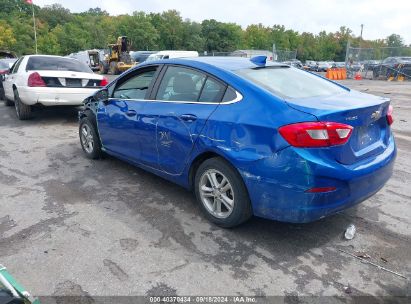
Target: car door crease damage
<point>181,131</point>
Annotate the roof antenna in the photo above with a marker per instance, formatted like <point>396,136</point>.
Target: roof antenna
<point>259,60</point>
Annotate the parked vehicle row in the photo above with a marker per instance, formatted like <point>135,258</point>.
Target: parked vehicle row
<point>48,81</point>
<point>89,57</point>
<point>393,67</point>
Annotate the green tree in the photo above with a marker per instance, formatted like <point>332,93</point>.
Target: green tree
<point>138,28</point>
<point>71,38</point>
<point>395,40</point>
<point>192,36</point>
<point>7,39</point>
<point>221,37</point>
<point>257,37</point>
<point>55,14</point>
<point>9,7</point>
<point>169,26</point>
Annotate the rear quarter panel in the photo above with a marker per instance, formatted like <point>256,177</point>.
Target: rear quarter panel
<point>247,131</point>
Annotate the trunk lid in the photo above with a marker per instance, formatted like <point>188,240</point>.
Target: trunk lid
<point>70,79</point>
<point>366,113</point>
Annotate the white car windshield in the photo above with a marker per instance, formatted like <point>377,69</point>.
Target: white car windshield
<point>44,63</point>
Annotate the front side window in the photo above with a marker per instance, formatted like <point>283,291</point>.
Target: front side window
<point>287,82</point>
<point>16,65</point>
<point>181,84</point>
<point>135,87</point>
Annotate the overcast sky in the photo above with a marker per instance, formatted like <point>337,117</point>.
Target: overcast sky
<point>380,17</point>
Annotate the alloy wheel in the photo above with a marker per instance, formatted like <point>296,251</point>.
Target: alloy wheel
<point>216,193</point>
<point>87,139</point>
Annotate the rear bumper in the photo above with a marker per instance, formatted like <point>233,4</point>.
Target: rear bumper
<point>277,186</point>
<point>54,96</point>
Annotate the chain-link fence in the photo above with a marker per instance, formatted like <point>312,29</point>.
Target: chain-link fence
<point>390,63</point>
<point>278,55</point>
<point>284,55</point>
<point>222,54</point>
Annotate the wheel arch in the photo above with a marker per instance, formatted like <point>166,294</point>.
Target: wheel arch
<point>202,157</point>
<point>89,113</point>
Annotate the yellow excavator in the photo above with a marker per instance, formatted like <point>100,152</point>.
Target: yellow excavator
<point>118,58</point>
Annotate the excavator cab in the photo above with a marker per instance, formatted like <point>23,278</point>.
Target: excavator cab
<point>118,59</point>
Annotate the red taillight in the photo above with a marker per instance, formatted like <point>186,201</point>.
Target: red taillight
<point>390,119</point>
<point>321,189</point>
<point>316,134</point>
<point>104,82</point>
<point>35,80</point>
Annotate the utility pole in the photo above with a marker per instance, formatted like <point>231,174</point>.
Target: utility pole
<point>362,27</point>
<point>34,22</point>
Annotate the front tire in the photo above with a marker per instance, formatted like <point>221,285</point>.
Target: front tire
<point>222,194</point>
<point>102,69</point>
<point>23,111</point>
<point>113,68</point>
<point>89,139</point>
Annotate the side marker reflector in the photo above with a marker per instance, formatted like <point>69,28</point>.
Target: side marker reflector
<point>321,189</point>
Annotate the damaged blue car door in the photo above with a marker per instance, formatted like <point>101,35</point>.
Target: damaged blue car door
<point>182,101</point>
<point>122,126</point>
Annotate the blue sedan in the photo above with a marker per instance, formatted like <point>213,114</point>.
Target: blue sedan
<point>249,137</point>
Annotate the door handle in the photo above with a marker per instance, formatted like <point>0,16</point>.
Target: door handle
<point>188,117</point>
<point>131,113</point>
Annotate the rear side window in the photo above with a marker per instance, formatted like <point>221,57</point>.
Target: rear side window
<point>230,95</point>
<point>43,63</point>
<point>212,91</point>
<point>181,84</point>
<point>289,82</point>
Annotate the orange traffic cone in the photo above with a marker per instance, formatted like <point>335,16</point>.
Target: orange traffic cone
<point>328,74</point>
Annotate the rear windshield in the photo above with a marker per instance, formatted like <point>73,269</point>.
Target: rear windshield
<point>155,57</point>
<point>140,57</point>
<point>289,82</point>
<point>40,63</point>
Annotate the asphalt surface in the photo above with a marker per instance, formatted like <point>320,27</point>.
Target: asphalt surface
<point>72,226</point>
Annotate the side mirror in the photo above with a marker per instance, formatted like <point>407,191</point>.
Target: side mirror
<point>101,95</point>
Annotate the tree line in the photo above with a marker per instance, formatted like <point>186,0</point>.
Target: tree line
<point>61,32</point>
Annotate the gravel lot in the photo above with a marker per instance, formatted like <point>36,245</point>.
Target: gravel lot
<point>69,225</point>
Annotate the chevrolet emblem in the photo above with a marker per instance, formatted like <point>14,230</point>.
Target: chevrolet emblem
<point>376,115</point>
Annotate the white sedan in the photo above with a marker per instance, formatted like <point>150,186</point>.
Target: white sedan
<point>49,81</point>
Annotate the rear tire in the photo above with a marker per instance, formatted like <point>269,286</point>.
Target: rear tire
<point>23,111</point>
<point>89,139</point>
<point>225,202</point>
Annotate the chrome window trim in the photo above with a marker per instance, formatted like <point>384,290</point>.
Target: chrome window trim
<point>237,99</point>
